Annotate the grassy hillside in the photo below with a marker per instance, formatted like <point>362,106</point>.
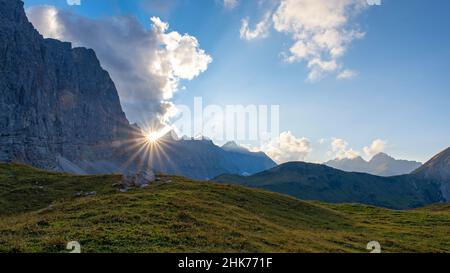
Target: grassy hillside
<point>179,215</point>
<point>23,188</point>
<point>319,182</point>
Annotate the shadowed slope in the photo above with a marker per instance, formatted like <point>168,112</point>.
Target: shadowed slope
<point>319,182</point>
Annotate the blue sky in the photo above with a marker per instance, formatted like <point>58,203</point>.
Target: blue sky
<point>401,93</point>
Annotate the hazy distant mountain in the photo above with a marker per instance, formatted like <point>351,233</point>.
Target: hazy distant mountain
<point>232,146</point>
<point>357,164</point>
<point>202,159</point>
<point>385,165</point>
<point>319,182</point>
<point>438,169</point>
<point>381,164</point>
<point>193,158</point>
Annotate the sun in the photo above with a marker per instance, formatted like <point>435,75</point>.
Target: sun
<point>153,137</point>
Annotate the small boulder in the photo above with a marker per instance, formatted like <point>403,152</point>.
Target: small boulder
<point>138,179</point>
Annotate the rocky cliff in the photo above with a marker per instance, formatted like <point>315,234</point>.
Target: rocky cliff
<point>55,101</point>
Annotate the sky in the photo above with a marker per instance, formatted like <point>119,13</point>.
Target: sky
<point>350,78</point>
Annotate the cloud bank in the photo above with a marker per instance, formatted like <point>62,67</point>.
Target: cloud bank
<point>340,149</point>
<point>377,146</point>
<point>146,65</point>
<point>287,147</point>
<point>321,31</point>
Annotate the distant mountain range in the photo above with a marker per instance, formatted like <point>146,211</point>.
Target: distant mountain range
<point>429,184</point>
<point>200,158</point>
<point>193,158</point>
<point>381,165</point>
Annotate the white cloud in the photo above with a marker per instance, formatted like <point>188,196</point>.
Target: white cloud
<point>377,146</point>
<point>321,31</point>
<point>347,74</point>
<point>73,2</point>
<point>261,29</point>
<point>287,148</point>
<point>340,150</point>
<point>146,65</point>
<point>230,4</point>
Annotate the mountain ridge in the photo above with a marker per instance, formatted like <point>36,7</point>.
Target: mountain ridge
<point>309,181</point>
<point>380,164</point>
<point>193,158</point>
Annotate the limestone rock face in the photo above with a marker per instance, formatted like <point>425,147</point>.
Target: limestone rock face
<point>55,100</point>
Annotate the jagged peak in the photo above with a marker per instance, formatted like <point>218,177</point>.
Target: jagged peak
<point>382,156</point>
<point>234,147</point>
<point>231,144</point>
<point>170,136</point>
<point>343,159</point>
